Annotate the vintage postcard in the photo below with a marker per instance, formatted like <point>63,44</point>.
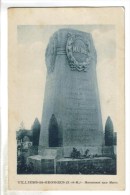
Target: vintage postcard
<point>66,99</point>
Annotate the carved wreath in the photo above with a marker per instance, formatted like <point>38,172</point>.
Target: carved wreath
<point>74,64</point>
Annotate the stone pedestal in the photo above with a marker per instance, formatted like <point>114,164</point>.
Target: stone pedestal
<point>45,162</point>
<point>109,151</point>
<point>101,165</point>
<point>71,111</point>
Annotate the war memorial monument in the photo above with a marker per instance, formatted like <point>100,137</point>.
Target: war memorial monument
<point>71,133</point>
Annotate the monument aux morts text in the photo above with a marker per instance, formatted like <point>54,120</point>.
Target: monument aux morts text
<point>71,111</point>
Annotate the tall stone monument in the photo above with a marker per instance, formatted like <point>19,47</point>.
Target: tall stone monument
<point>71,111</point>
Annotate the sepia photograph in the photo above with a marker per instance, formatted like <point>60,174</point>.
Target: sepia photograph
<point>66,98</point>
<point>69,137</point>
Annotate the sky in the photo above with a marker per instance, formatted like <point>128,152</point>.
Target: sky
<point>31,71</point>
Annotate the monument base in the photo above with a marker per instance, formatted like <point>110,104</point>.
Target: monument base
<point>45,162</point>
<point>55,152</point>
<point>92,150</point>
<point>57,160</point>
<point>106,151</point>
<point>42,164</point>
<point>100,165</point>
<point>109,151</point>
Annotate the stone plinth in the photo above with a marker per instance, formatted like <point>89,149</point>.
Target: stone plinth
<point>109,151</point>
<point>45,162</point>
<point>100,165</point>
<point>42,164</point>
<point>71,111</point>
<point>36,162</point>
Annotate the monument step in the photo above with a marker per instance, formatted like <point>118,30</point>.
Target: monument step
<point>51,153</point>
